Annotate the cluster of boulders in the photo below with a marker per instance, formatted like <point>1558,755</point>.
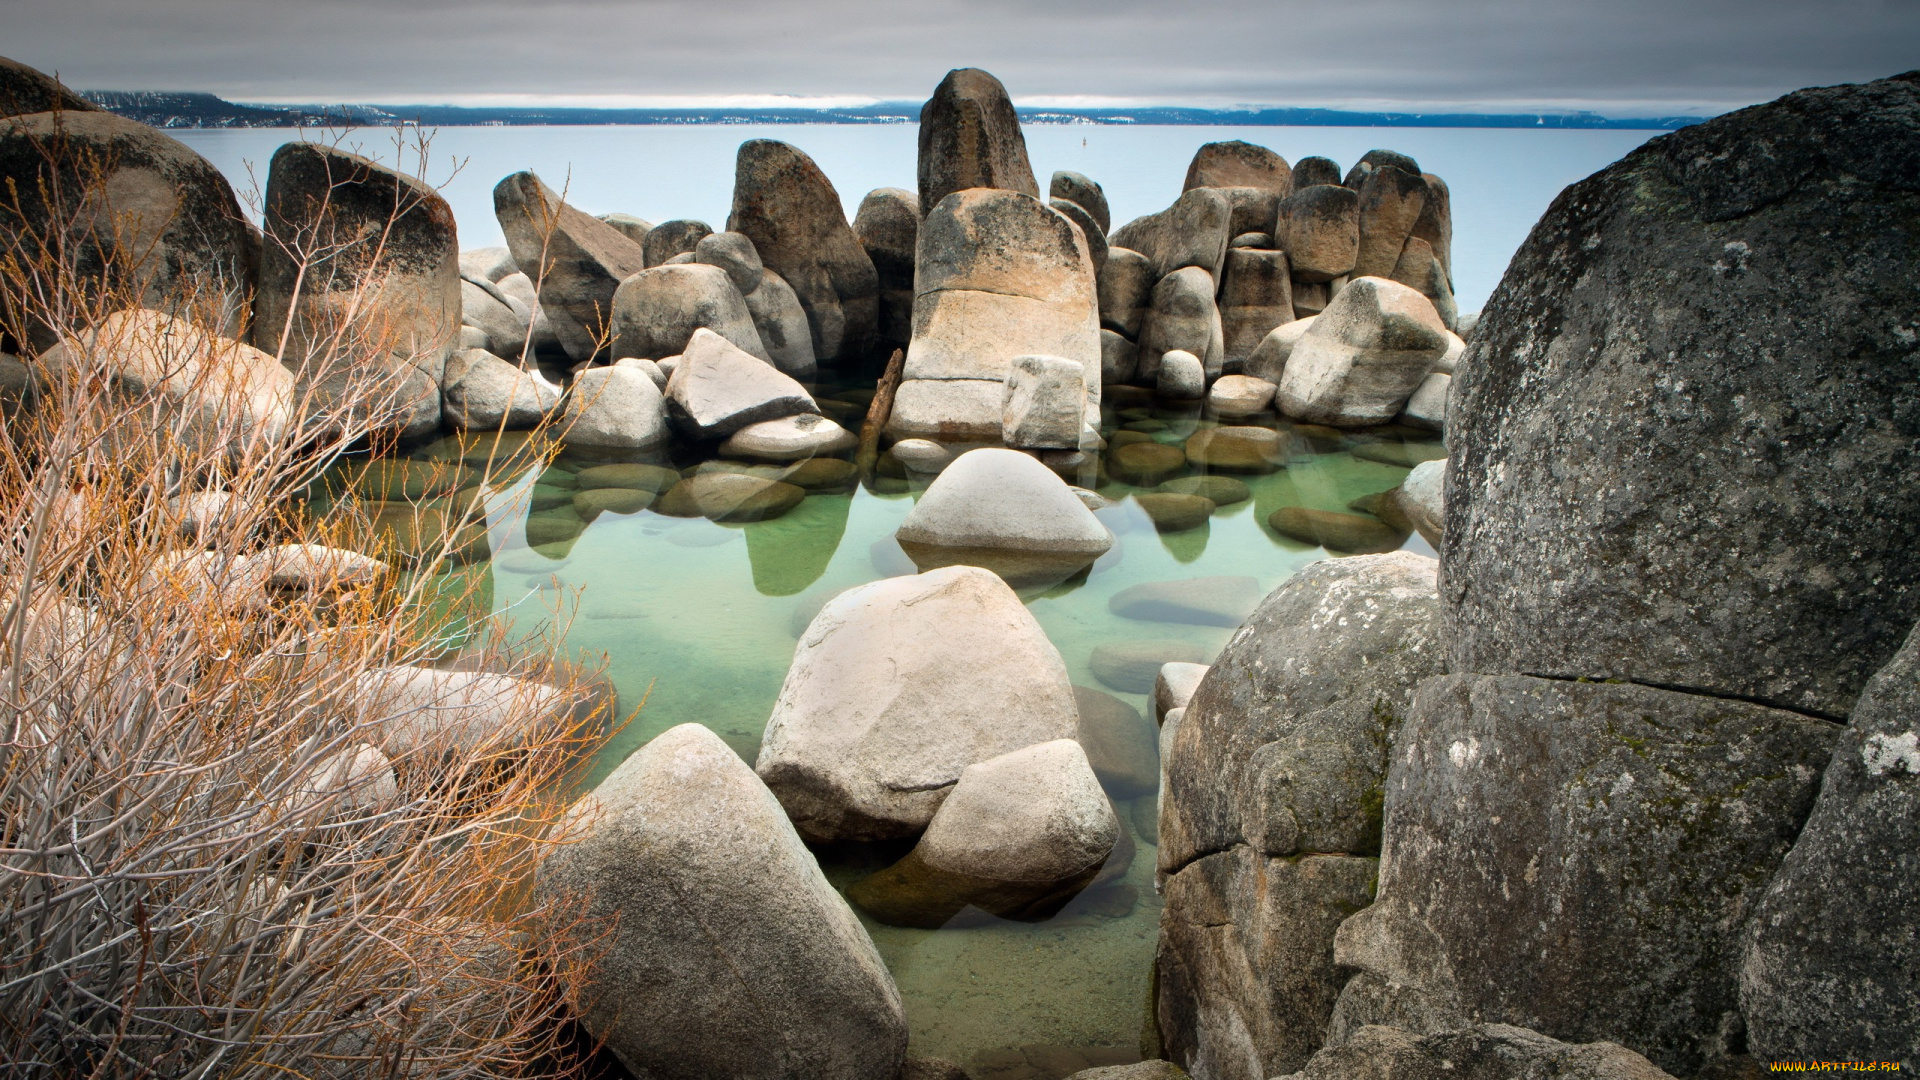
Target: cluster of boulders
<point>1625,785</point>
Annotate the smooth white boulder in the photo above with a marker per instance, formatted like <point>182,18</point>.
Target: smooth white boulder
<point>1422,497</point>
<point>1269,358</point>
<point>1364,356</point>
<point>716,389</point>
<point>790,438</point>
<point>898,686</point>
<point>1003,510</point>
<point>1045,403</point>
<point>1235,396</point>
<point>615,408</point>
<point>922,455</point>
<point>1181,376</point>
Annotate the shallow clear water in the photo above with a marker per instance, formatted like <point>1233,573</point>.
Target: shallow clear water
<point>701,619</point>
<point>1501,179</point>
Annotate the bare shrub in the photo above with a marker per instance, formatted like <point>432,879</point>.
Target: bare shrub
<point>218,857</point>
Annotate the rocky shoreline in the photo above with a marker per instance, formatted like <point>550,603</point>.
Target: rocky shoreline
<point>1576,799</point>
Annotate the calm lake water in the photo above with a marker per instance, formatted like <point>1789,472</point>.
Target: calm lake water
<point>701,619</point>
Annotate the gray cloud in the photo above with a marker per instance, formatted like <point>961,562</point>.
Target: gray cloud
<point>1622,55</point>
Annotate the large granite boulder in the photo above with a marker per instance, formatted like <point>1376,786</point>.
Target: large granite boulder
<point>1579,857</point>
<point>1194,232</point>
<point>575,261</point>
<point>1480,1052</point>
<point>1435,223</point>
<point>716,389</point>
<point>727,952</point>
<point>999,275</point>
<point>1003,510</point>
<point>1270,811</point>
<point>613,408</point>
<point>1320,230</point>
<point>1683,450</point>
<point>1090,230</point>
<point>1125,289</point>
<point>501,319</point>
<point>789,209</point>
<point>888,227</point>
<point>656,311</point>
<point>1828,971</point>
<point>1391,200</point>
<point>28,90</point>
<point>179,240</point>
<point>1084,193</point>
<point>669,239</point>
<point>1420,270</point>
<point>336,223</point>
<point>1019,836</point>
<point>1182,315</point>
<point>485,393</point>
<point>899,685</point>
<point>970,138</point>
<point>1046,403</point>
<point>1239,164</point>
<point>1363,357</point>
<point>782,324</point>
<point>1255,299</point>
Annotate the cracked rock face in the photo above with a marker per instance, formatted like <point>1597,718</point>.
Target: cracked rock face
<point>1687,419</point>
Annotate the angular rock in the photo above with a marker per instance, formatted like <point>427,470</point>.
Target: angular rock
<point>1239,164</point>
<point>655,312</point>
<point>1236,396</point>
<point>633,228</point>
<point>671,238</point>
<point>680,839</point>
<point>575,261</point>
<point>790,438</point>
<point>789,209</point>
<point>1207,601</point>
<point>1321,229</point>
<point>1194,232</point>
<point>613,408</point>
<point>1741,563</point>
<point>1126,289</point>
<point>1045,403</point>
<point>1250,211</point>
<point>1480,1052</point>
<point>487,264</point>
<point>1183,315</point>
<point>1828,962</point>
<point>1174,686</point>
<point>888,227</point>
<point>646,367</point>
<point>484,392</point>
<point>1363,356</point>
<point>502,323</point>
<point>1245,959</point>
<point>1310,298</point>
<point>970,138</point>
<point>179,238</point>
<point>1118,359</point>
<point>1019,836</point>
<point>1285,743</point>
<point>1003,510</point>
<point>717,389</point>
<point>1255,299</point>
<point>898,686</point>
<point>1181,376</point>
<point>1390,202</point>
<point>1619,835</point>
<point>948,410</point>
<point>1427,406</point>
<point>1083,192</point>
<point>1268,361</point>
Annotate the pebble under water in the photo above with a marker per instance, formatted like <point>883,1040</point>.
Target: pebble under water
<point>699,620</point>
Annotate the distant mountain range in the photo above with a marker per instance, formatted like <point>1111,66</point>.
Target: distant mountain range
<point>167,109</point>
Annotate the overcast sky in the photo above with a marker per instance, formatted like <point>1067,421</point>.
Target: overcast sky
<point>1615,56</point>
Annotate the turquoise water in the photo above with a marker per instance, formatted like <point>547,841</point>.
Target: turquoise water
<point>700,620</point>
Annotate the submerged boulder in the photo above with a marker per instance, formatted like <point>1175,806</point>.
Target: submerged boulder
<point>1363,356</point>
<point>1829,961</point>
<point>896,687</point>
<point>1019,836</point>
<point>681,839</point>
<point>970,138</point>
<point>789,209</point>
<point>1003,510</point>
<point>1683,448</point>
<point>575,261</point>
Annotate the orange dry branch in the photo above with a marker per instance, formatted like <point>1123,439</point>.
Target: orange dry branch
<point>258,815</point>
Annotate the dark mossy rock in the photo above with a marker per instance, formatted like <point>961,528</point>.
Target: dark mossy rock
<point>1145,464</point>
<point>911,893</point>
<point>729,496</point>
<point>1404,454</point>
<point>542,529</point>
<point>1349,534</point>
<point>1172,512</point>
<point>593,501</point>
<point>654,478</point>
<point>1240,449</point>
<point>823,474</point>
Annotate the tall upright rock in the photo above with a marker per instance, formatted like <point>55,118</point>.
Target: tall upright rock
<point>178,240</point>
<point>970,138</point>
<point>361,265</point>
<point>888,226</point>
<point>789,209</point>
<point>1691,414</point>
<point>576,260</point>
